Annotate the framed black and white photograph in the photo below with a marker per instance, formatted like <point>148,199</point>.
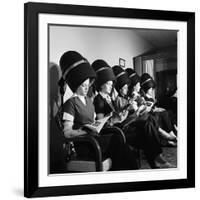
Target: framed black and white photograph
<point>122,62</point>
<point>109,99</point>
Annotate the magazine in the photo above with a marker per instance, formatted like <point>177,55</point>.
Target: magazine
<point>130,119</point>
<point>96,126</point>
<point>125,108</point>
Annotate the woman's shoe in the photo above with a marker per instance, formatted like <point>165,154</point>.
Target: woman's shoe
<point>162,163</point>
<point>172,136</point>
<point>166,135</point>
<point>165,165</point>
<point>175,127</point>
<point>160,159</point>
<point>171,144</point>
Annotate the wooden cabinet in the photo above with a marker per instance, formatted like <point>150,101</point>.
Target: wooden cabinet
<point>164,69</point>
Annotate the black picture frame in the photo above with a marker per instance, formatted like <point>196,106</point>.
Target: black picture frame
<point>31,112</point>
<point>122,62</point>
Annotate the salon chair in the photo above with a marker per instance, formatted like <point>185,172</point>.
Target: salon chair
<point>78,163</point>
<point>98,163</point>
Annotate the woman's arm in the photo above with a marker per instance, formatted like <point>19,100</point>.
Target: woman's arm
<point>70,132</point>
<point>100,116</point>
<point>68,122</point>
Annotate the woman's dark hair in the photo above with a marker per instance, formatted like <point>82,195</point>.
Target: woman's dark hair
<point>147,82</point>
<point>134,79</point>
<point>104,73</point>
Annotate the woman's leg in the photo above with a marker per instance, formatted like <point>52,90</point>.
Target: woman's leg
<point>165,121</point>
<point>123,157</point>
<point>143,135</point>
<point>166,128</point>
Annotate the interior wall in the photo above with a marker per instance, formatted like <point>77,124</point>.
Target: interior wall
<point>97,43</point>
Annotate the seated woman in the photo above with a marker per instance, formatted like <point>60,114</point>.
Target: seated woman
<point>104,105</point>
<point>166,127</point>
<point>143,132</point>
<point>79,109</point>
<point>104,85</point>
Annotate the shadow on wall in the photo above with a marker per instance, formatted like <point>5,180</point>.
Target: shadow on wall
<point>56,138</point>
<point>54,77</point>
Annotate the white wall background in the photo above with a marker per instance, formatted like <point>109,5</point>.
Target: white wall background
<point>97,43</point>
<point>11,101</point>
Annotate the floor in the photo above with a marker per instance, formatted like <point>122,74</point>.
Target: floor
<point>170,154</point>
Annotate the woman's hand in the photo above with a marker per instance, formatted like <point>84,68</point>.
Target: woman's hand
<point>148,108</point>
<point>118,117</point>
<point>123,115</point>
<point>141,110</point>
<point>69,133</point>
<point>133,106</point>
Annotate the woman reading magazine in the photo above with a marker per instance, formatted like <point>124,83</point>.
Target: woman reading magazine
<point>147,123</point>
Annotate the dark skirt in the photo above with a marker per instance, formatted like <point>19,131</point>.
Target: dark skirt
<point>164,120</point>
<point>143,134</point>
<point>113,144</point>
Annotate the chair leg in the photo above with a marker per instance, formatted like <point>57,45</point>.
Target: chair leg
<point>139,157</point>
